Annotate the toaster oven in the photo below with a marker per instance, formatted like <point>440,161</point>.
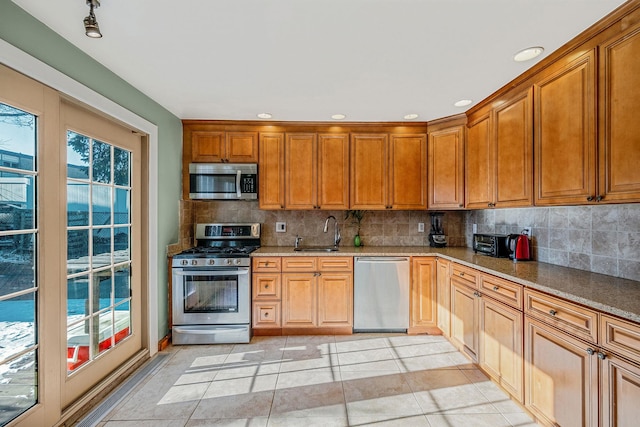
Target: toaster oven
<point>491,244</point>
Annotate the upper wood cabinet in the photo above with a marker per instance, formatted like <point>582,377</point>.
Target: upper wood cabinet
<point>220,146</point>
<point>499,154</point>
<point>317,171</point>
<point>446,168</point>
<point>271,170</point>
<point>388,172</point>
<point>619,97</point>
<point>565,133</point>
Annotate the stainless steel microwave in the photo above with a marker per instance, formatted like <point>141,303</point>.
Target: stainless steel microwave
<point>223,181</point>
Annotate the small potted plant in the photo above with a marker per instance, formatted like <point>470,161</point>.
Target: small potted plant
<point>356,217</point>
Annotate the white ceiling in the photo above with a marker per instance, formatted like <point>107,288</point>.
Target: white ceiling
<point>304,60</point>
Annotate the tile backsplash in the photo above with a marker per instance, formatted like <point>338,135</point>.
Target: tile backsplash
<point>601,238</point>
<point>379,228</point>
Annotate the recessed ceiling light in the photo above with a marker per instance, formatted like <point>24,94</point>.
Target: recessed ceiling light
<point>462,103</point>
<point>528,53</point>
<point>338,117</point>
<point>264,116</point>
<point>411,116</point>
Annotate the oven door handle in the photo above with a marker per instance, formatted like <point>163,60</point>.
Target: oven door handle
<point>238,189</point>
<point>239,272</point>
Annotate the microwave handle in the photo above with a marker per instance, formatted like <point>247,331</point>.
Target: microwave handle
<point>238,176</point>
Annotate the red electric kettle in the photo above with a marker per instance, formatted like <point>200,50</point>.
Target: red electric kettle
<point>519,247</point>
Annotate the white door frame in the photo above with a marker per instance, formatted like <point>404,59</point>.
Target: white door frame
<point>32,67</point>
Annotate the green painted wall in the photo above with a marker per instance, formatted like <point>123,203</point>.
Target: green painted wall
<point>31,36</point>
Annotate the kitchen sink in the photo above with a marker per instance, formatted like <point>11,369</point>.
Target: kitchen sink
<point>316,249</point>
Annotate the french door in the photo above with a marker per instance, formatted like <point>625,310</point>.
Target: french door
<point>70,250</point>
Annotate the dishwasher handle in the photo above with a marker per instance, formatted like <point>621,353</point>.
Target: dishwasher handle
<point>376,260</point>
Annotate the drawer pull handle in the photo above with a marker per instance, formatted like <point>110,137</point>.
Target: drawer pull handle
<point>553,312</point>
<point>495,288</point>
<point>590,351</point>
<point>601,355</point>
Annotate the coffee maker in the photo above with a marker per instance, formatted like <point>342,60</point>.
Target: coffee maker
<point>437,238</point>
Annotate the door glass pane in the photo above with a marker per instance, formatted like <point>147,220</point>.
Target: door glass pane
<point>98,300</point>
<point>18,261</point>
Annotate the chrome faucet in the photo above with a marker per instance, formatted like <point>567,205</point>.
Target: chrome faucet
<point>336,235</point>
<point>298,240</point>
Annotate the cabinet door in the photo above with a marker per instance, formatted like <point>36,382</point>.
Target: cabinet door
<point>271,167</point>
<point>207,146</point>
<point>299,299</point>
<point>464,318</point>
<point>368,174</point>
<point>619,125</point>
<point>423,293</point>
<point>333,171</point>
<point>514,152</point>
<point>242,147</point>
<point>446,169</point>
<point>335,299</point>
<point>444,296</point>
<point>479,164</point>
<point>301,171</point>
<point>564,147</point>
<point>561,377</point>
<point>408,172</point>
<point>620,396</point>
<point>266,285</point>
<point>500,345</point>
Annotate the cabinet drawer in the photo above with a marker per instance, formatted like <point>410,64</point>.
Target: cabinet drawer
<point>266,315</point>
<point>502,290</point>
<point>620,336</point>
<point>564,315</point>
<point>299,264</point>
<point>335,263</point>
<point>468,275</point>
<point>266,264</point>
<point>266,286</point>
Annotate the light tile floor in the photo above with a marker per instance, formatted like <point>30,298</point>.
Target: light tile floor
<point>355,380</point>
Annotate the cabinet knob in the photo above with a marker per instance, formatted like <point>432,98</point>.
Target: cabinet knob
<point>599,198</point>
<point>590,198</point>
<point>478,294</point>
<point>601,355</point>
<point>553,312</point>
<point>461,274</point>
<point>495,288</point>
<point>590,351</point>
<point>266,286</point>
<point>266,314</point>
<point>460,205</point>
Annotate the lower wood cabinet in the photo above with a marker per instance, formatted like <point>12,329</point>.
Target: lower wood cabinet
<point>500,345</point>
<point>561,377</point>
<point>465,307</point>
<point>443,280</point>
<point>620,392</point>
<point>306,295</point>
<point>423,309</point>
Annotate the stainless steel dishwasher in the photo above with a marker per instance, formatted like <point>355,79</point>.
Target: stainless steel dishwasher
<point>381,294</point>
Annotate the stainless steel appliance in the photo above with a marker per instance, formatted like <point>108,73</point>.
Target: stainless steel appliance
<point>211,298</point>
<point>223,181</point>
<point>381,294</point>
<point>491,244</point>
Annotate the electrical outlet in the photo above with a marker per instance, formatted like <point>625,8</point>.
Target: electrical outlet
<point>527,231</point>
<point>421,227</point>
<point>281,227</point>
<point>475,228</point>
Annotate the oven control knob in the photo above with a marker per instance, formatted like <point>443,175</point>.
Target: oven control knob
<point>227,261</point>
<point>237,261</point>
<point>212,261</point>
<point>194,262</point>
<point>184,262</point>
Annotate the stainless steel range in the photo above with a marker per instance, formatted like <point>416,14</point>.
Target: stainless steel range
<point>211,298</point>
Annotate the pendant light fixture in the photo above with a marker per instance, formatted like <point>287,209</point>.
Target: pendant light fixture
<point>90,24</point>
